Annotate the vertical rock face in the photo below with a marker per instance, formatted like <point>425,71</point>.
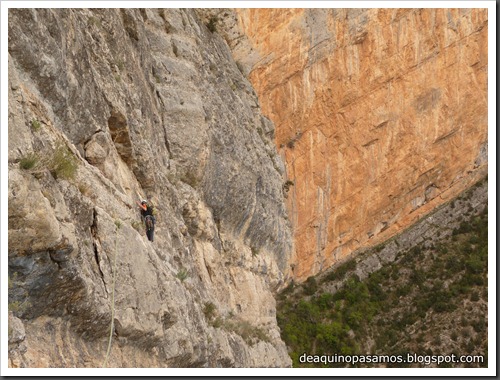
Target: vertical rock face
<point>380,114</point>
<point>146,104</point>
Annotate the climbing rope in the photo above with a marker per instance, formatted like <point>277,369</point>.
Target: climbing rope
<point>111,327</point>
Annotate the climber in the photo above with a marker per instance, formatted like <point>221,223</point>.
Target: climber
<point>147,215</point>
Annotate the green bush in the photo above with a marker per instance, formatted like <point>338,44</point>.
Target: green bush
<point>325,301</point>
<point>251,334</point>
<point>63,163</point>
<point>341,271</point>
<point>209,310</point>
<point>474,297</point>
<point>182,275</point>
<point>475,265</point>
<point>310,286</point>
<point>35,125</point>
<point>480,325</point>
<point>29,161</point>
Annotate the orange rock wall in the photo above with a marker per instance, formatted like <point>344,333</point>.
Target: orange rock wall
<point>380,114</point>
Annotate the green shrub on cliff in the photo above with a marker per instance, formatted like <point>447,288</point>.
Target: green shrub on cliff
<point>29,161</point>
<point>35,125</point>
<point>61,163</point>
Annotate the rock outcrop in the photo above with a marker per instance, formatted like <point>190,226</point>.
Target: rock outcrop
<point>380,114</point>
<point>108,106</point>
<point>362,121</point>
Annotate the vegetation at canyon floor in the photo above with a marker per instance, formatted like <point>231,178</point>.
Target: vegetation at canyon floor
<point>432,300</point>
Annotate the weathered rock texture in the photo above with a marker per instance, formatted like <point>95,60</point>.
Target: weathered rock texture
<point>149,103</point>
<point>380,114</point>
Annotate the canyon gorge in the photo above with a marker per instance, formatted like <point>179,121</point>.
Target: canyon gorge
<point>274,143</point>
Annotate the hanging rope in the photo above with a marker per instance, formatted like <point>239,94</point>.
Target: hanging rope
<point>111,327</point>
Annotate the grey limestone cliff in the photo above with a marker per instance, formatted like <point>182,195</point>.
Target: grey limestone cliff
<point>143,103</point>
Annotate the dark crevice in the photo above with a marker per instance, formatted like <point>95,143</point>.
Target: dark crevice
<point>96,255</point>
<point>371,142</point>
<point>93,230</point>
<point>160,100</point>
<point>381,125</point>
<point>167,144</point>
<point>446,135</point>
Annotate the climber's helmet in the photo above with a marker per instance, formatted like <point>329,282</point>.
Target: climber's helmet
<point>144,202</point>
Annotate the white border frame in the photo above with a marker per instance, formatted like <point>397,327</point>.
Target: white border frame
<point>490,371</point>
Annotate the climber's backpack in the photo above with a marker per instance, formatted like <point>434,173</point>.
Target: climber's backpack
<point>153,210</point>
